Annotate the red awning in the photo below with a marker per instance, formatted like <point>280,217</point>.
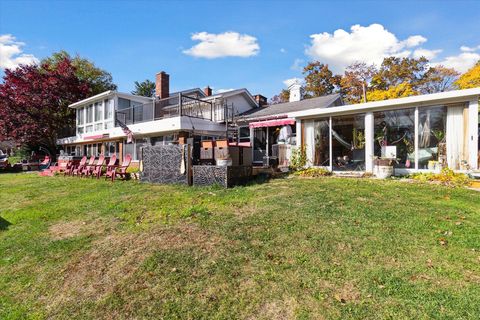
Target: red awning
<point>271,123</point>
<point>98,136</point>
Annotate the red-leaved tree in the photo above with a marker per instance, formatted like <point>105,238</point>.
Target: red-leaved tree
<point>34,103</point>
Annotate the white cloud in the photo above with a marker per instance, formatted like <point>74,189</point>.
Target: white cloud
<point>227,44</point>
<point>297,65</point>
<point>11,53</point>
<point>469,49</point>
<point>282,50</point>
<point>366,44</point>
<point>461,62</point>
<point>429,54</point>
<point>291,81</point>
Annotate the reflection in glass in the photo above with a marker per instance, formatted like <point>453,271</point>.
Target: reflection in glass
<point>395,136</point>
<point>322,143</point>
<point>348,143</point>
<point>431,136</point>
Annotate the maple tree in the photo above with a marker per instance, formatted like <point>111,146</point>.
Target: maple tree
<point>319,80</point>
<point>355,81</point>
<point>34,102</point>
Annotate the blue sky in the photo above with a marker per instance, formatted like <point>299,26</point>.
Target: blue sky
<point>268,41</point>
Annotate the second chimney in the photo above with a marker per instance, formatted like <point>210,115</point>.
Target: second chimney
<point>208,91</point>
<point>162,85</point>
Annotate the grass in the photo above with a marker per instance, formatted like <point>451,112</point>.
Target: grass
<point>324,248</point>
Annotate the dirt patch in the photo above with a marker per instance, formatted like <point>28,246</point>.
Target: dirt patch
<point>348,293</point>
<point>64,230</point>
<point>115,258</point>
<point>277,310</point>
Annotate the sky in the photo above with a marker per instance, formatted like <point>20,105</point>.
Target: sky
<point>258,45</point>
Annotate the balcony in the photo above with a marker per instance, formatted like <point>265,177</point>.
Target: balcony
<point>170,107</point>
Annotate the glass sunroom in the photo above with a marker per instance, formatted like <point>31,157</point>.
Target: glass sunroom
<point>421,133</point>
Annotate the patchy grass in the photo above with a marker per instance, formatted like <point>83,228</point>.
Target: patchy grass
<point>325,248</point>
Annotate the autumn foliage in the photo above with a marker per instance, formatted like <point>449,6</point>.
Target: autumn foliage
<point>34,102</point>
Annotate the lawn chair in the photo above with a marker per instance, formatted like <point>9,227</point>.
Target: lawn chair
<point>67,167</point>
<point>45,164</point>
<point>77,170</point>
<point>87,170</point>
<point>111,166</point>
<point>97,170</point>
<point>121,170</point>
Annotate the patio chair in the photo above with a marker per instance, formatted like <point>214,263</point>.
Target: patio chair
<point>77,170</point>
<point>121,170</point>
<point>97,170</point>
<point>111,166</point>
<point>87,170</point>
<point>45,164</point>
<point>67,167</point>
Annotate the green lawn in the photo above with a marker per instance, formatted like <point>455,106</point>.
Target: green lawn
<point>325,248</point>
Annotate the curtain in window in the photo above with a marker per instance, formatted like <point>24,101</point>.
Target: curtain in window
<point>454,136</point>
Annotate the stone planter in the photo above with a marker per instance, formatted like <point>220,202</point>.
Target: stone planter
<point>383,168</point>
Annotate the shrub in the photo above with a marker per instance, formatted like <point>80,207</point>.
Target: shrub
<point>446,177</point>
<point>313,172</point>
<point>298,159</point>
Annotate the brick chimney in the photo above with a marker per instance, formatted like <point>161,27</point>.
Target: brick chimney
<point>208,91</point>
<point>261,100</point>
<point>162,85</point>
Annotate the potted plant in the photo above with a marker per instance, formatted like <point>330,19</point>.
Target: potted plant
<point>383,167</point>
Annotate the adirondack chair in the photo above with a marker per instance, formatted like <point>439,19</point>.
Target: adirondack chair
<point>87,170</point>
<point>67,167</point>
<point>77,170</point>
<point>121,170</point>
<point>97,170</point>
<point>111,166</point>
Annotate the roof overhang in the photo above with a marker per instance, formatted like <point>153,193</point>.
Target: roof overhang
<point>425,100</point>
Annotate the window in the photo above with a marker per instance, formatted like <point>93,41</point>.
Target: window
<point>89,128</point>
<point>139,143</point>
<point>394,133</point>
<point>80,116</point>
<point>128,148</point>
<point>244,134</point>
<point>98,126</point>
<point>108,109</point>
<point>431,135</point>
<point>348,143</point>
<point>98,111</point>
<point>89,114</point>
<point>108,124</point>
<point>322,143</point>
<point>80,130</point>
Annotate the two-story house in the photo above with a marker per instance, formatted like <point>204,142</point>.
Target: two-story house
<point>104,121</point>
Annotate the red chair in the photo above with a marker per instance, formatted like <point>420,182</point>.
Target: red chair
<point>121,170</point>
<point>87,170</point>
<point>97,170</point>
<point>111,166</point>
<point>77,170</point>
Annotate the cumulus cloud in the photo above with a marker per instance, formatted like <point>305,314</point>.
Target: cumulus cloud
<point>11,53</point>
<point>461,62</point>
<point>227,44</point>
<point>297,65</point>
<point>367,44</point>
<point>429,54</point>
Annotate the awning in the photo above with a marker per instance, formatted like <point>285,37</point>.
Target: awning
<point>271,123</point>
<point>98,136</point>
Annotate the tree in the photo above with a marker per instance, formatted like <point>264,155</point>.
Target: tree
<point>395,71</point>
<point>145,88</point>
<point>34,102</point>
<point>399,91</point>
<point>282,97</point>
<point>354,83</point>
<point>470,79</point>
<point>98,80</point>
<point>319,80</point>
<point>439,79</point>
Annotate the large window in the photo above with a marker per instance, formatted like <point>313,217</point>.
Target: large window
<point>431,136</point>
<point>108,106</point>
<point>244,134</point>
<point>395,136</point>
<point>80,116</point>
<point>348,143</point>
<point>322,143</point>
<point>98,111</point>
<point>89,113</point>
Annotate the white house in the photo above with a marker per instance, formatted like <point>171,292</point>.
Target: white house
<point>162,119</point>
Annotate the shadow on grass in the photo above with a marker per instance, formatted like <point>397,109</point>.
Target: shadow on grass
<point>4,224</point>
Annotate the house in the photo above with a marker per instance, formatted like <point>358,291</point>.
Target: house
<point>120,123</point>
<point>422,132</point>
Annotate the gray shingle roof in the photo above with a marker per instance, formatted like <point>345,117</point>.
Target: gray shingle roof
<point>284,108</point>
